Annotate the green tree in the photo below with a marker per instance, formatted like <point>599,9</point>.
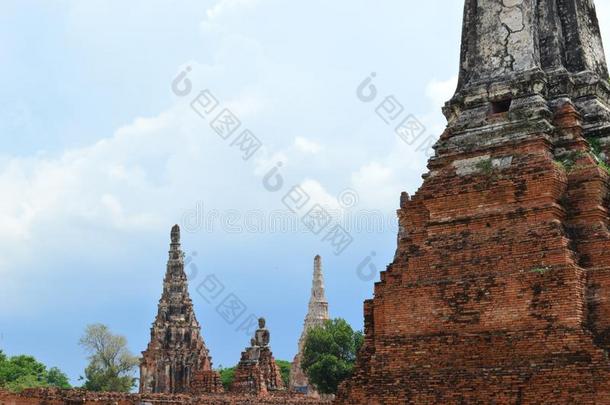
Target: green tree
<point>20,372</point>
<point>330,353</point>
<point>111,364</point>
<point>2,367</point>
<point>227,375</point>
<point>56,378</point>
<point>284,370</point>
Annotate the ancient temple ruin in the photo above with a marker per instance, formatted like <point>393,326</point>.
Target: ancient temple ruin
<point>317,313</point>
<point>498,290</point>
<point>257,372</point>
<point>176,360</point>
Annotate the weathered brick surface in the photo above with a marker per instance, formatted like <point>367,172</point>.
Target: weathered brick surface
<point>79,397</point>
<point>498,293</point>
<point>249,379</point>
<point>206,381</point>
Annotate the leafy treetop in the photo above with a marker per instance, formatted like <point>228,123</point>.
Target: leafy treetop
<point>20,372</point>
<point>330,354</point>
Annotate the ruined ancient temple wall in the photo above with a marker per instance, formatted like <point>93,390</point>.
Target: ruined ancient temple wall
<point>78,397</point>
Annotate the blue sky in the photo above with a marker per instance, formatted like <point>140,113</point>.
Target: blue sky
<point>99,158</point>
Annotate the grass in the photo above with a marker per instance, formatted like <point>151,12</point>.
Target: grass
<point>485,166</point>
<point>597,151</point>
<point>540,270</point>
<point>568,162</point>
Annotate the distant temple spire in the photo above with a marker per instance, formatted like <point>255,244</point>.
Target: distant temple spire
<point>317,313</point>
<point>175,236</point>
<point>318,305</point>
<point>176,354</point>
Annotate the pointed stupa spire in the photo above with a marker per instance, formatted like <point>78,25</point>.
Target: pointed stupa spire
<point>176,352</point>
<point>175,264</point>
<point>318,296</point>
<point>317,313</point>
<point>175,234</point>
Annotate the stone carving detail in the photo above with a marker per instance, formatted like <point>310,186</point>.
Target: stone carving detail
<point>497,293</point>
<point>176,356</point>
<point>257,372</point>
<point>317,313</point>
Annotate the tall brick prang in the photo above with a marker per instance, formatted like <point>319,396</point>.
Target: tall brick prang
<point>317,313</point>
<point>176,360</point>
<point>498,293</point>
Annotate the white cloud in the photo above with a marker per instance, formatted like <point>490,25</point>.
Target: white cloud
<point>136,181</point>
<point>268,160</point>
<point>372,174</point>
<point>224,7</point>
<point>378,184</point>
<point>380,181</point>
<point>85,183</point>
<point>306,145</point>
<point>440,91</point>
<point>319,195</point>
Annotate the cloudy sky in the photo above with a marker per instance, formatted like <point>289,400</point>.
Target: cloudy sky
<point>100,155</point>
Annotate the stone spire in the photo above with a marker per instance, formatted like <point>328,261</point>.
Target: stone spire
<point>317,313</point>
<point>528,51</point>
<point>504,38</point>
<point>176,352</point>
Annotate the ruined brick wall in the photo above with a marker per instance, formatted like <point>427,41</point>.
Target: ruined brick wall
<point>206,381</point>
<point>249,379</point>
<point>272,375</point>
<point>258,377</point>
<point>79,397</point>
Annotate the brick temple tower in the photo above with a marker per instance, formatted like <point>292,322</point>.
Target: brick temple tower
<point>176,360</point>
<point>317,313</point>
<point>499,290</point>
